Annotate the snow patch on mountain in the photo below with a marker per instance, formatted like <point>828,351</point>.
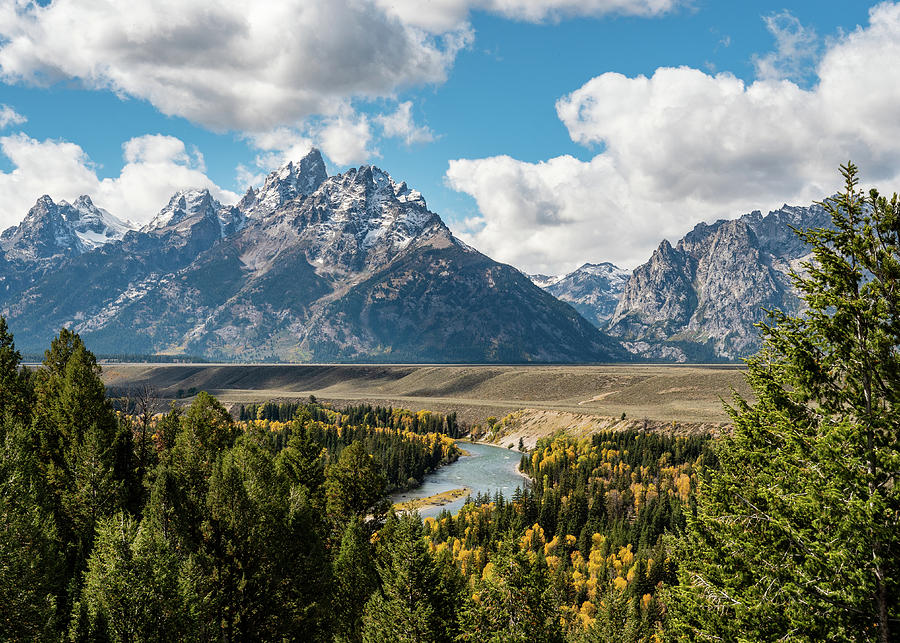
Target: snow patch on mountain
<point>94,226</point>
<point>544,281</point>
<point>134,292</point>
<point>293,180</point>
<point>193,205</point>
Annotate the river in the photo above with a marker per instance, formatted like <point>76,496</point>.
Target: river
<point>486,470</point>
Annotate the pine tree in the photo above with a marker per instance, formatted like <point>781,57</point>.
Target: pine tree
<point>73,436</point>
<point>29,547</point>
<point>355,579</point>
<point>354,486</point>
<point>409,607</point>
<point>14,382</point>
<point>511,602</point>
<point>797,531</point>
<point>130,587</point>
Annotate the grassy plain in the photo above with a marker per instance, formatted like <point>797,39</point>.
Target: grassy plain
<point>690,395</point>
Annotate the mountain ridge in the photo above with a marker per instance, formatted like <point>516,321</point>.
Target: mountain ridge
<point>700,299</point>
<point>352,267</point>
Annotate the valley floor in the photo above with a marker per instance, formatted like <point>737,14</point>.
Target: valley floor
<point>580,399</point>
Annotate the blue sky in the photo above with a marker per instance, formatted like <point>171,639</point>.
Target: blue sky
<point>484,139</point>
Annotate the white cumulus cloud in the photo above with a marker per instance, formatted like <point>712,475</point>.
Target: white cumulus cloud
<point>227,65</point>
<point>10,117</point>
<point>439,15</point>
<point>400,124</point>
<point>683,146</point>
<point>155,167</point>
<point>345,138</point>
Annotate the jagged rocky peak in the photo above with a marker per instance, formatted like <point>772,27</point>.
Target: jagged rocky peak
<point>775,231</point>
<point>369,202</point>
<point>187,207</point>
<point>659,291</point>
<point>182,205</point>
<point>51,229</point>
<point>94,226</point>
<point>405,194</point>
<point>42,234</point>
<point>361,219</point>
<point>292,180</point>
<point>371,182</point>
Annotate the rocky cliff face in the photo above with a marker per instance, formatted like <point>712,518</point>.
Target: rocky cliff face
<point>307,267</point>
<point>700,299</point>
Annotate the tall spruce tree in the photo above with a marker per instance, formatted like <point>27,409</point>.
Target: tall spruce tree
<point>74,437</point>
<point>14,381</point>
<point>797,531</point>
<point>355,578</point>
<point>355,486</point>
<point>412,605</point>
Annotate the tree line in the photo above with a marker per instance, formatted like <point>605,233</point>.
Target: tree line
<point>358,415</point>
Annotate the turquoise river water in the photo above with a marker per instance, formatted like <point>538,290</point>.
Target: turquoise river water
<point>486,470</point>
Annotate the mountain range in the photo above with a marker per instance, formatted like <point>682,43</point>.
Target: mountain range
<point>351,267</point>
<point>699,300</point>
<point>355,267</point>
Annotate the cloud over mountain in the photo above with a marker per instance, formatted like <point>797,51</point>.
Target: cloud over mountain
<point>155,167</point>
<point>682,146</point>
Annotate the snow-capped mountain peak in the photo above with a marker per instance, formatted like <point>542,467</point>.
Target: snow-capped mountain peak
<point>188,206</point>
<point>604,269</point>
<point>94,226</point>
<point>182,205</point>
<point>51,229</point>
<point>544,281</point>
<point>351,223</point>
<point>292,180</point>
<point>594,289</point>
